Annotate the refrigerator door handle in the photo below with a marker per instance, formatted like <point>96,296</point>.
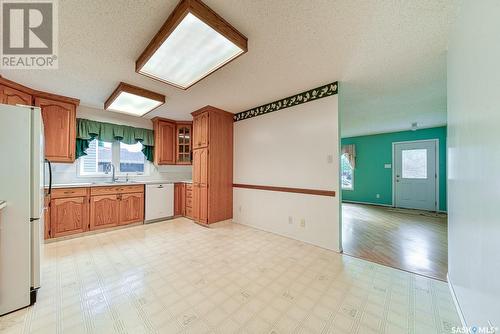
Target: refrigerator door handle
<point>50,176</point>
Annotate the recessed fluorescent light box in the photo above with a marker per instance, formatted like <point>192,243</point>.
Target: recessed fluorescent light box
<point>133,100</point>
<point>191,44</point>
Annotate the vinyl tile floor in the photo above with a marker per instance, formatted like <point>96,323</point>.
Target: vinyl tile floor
<point>178,277</point>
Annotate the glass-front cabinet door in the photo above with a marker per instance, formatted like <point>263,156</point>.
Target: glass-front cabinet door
<point>184,143</point>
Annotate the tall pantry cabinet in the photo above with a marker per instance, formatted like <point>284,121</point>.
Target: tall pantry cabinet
<point>212,165</point>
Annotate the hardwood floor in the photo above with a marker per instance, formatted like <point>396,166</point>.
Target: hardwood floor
<point>412,240</point>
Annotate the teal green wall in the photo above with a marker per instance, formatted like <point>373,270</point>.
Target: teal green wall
<point>372,152</point>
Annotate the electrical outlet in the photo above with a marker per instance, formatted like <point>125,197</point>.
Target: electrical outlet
<point>239,208</point>
<point>303,222</point>
<point>329,158</point>
<point>378,195</point>
<point>290,220</point>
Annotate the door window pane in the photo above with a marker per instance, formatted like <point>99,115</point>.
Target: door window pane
<point>414,164</point>
<point>131,158</point>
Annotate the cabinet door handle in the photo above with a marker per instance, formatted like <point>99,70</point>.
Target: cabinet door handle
<point>69,192</point>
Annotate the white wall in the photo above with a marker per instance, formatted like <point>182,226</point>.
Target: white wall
<point>290,148</point>
<point>67,173</point>
<point>474,161</point>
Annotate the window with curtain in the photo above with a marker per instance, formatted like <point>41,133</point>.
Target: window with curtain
<point>100,155</point>
<point>100,145</point>
<point>347,173</point>
<point>347,165</point>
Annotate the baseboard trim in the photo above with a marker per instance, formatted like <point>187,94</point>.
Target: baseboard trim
<point>455,301</point>
<point>368,203</point>
<point>387,205</point>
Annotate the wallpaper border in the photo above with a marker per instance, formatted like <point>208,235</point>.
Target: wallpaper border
<point>291,101</point>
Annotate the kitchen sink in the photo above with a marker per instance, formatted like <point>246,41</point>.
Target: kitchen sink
<point>115,182</point>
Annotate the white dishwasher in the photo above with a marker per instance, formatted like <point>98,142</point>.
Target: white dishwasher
<point>159,201</point>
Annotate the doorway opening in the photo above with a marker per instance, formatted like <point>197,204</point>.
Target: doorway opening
<point>394,200</point>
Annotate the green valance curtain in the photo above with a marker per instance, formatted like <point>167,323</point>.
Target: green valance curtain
<point>87,130</point>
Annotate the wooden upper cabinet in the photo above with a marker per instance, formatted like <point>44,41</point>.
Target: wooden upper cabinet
<point>165,133</point>
<point>59,120</point>
<point>68,216</point>
<point>200,132</point>
<point>184,135</point>
<point>12,96</point>
<point>131,208</point>
<point>104,211</point>
<point>58,113</point>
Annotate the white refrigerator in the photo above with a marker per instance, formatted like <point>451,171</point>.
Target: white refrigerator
<point>21,221</point>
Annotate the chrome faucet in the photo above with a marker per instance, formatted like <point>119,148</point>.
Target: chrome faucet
<point>112,169</point>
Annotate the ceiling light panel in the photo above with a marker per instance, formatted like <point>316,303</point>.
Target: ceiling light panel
<point>133,100</point>
<point>191,48</point>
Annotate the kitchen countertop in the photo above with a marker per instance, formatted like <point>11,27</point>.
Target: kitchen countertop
<point>109,184</point>
<point>3,204</point>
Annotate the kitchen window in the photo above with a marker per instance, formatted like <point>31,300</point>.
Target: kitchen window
<point>127,159</point>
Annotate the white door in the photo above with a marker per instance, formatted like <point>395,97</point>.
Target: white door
<point>415,175</point>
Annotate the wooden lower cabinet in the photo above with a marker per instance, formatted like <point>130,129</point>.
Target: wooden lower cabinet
<point>68,216</point>
<point>77,210</point>
<point>203,203</point>
<point>183,200</point>
<point>104,211</point>
<point>131,208</point>
<point>200,203</point>
<point>189,200</point>
<point>196,199</point>
<point>179,199</point>
<point>46,216</point>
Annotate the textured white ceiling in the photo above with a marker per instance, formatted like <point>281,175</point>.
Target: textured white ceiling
<point>390,56</point>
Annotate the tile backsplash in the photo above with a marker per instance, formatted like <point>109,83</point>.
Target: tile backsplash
<point>68,173</point>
